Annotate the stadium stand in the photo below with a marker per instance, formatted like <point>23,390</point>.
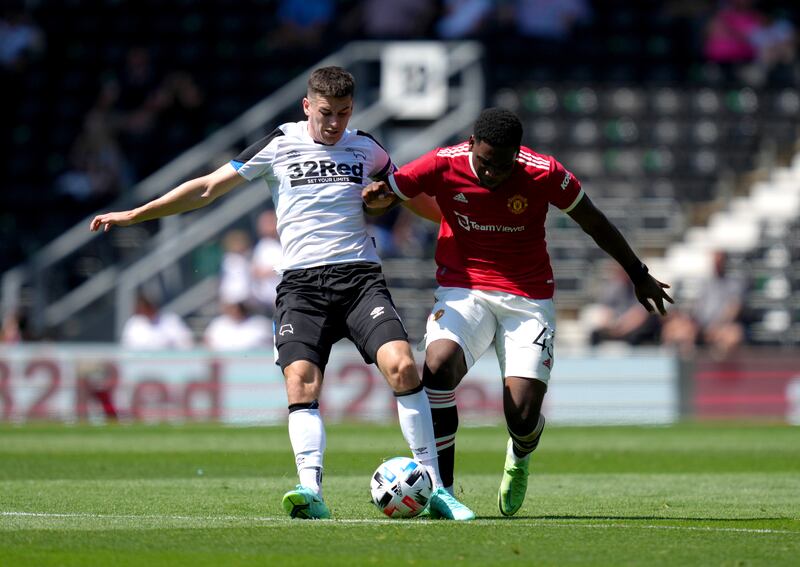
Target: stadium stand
<point>628,103</point>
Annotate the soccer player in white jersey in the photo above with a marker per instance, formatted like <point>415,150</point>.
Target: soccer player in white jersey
<point>332,286</point>
<point>496,283</point>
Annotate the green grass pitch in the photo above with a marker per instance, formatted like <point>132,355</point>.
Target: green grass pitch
<point>123,495</point>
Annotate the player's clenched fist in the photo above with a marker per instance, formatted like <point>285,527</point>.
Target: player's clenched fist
<point>107,220</point>
<point>378,195</point>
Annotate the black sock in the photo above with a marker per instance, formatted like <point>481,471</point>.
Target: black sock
<point>527,443</point>
<point>445,425</point>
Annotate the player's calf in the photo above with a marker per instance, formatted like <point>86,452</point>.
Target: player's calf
<point>445,425</point>
<point>514,484</point>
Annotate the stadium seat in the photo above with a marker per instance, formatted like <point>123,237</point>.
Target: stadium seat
<point>706,101</point>
<point>668,101</point>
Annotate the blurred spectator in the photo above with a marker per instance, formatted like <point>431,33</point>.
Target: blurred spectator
<point>181,106</point>
<point>394,19</point>
<point>301,25</point>
<point>150,110</point>
<point>730,30</point>
<point>137,87</point>
<point>620,317</point>
<point>551,20</point>
<point>20,39</point>
<point>413,237</point>
<point>14,328</point>
<point>714,319</point>
<point>687,20</point>
<point>99,170</point>
<point>135,99</point>
<point>776,46</point>
<point>697,10</point>
<point>464,18</point>
<point>267,257</point>
<point>235,278</point>
<point>97,381</point>
<point>150,328</point>
<point>381,229</point>
<point>401,234</point>
<point>238,329</point>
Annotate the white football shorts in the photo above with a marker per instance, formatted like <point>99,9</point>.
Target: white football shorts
<point>521,328</point>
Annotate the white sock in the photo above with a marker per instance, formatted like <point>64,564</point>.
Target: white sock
<point>513,455</point>
<point>307,434</point>
<point>416,423</point>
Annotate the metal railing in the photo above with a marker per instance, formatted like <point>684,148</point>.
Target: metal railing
<point>163,249</point>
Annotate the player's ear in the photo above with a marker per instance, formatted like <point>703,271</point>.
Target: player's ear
<point>471,142</point>
<point>306,106</point>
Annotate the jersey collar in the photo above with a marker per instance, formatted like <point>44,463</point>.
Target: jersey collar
<point>472,167</point>
<point>310,139</point>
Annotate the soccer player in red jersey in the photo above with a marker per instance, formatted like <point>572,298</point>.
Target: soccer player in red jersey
<point>495,279</point>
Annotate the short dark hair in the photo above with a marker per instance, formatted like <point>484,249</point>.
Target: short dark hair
<point>498,127</point>
<point>331,81</point>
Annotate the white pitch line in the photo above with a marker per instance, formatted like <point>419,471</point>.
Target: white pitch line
<point>369,521</point>
<point>151,517</point>
<point>685,528</point>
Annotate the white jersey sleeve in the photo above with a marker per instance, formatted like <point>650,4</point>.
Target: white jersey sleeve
<point>256,160</point>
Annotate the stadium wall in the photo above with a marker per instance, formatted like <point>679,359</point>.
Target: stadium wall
<point>70,383</point>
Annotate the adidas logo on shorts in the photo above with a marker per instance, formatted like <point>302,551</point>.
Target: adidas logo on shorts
<point>460,198</point>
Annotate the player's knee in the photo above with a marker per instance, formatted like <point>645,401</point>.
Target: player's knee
<point>443,368</point>
<point>401,373</point>
<point>523,417</point>
<point>523,421</point>
<point>303,382</point>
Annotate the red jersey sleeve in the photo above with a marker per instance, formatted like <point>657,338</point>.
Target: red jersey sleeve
<point>564,189</point>
<point>418,176</point>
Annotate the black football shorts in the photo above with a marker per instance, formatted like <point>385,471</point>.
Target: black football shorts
<point>317,307</point>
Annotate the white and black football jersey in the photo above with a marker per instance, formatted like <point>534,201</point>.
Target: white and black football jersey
<point>316,189</point>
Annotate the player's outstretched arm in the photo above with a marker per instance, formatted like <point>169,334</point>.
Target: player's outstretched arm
<point>425,206</point>
<point>187,196</point>
<point>649,291</point>
<point>379,198</point>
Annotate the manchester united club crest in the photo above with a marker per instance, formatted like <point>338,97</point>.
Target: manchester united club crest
<point>517,204</point>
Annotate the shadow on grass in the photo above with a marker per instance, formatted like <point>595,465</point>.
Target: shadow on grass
<point>634,518</point>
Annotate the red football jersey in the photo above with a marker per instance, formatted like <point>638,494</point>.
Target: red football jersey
<point>491,239</point>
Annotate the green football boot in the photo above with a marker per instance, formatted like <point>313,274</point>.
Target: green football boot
<point>514,484</point>
<point>304,503</point>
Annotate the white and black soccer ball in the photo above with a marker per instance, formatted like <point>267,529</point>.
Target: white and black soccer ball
<point>401,487</point>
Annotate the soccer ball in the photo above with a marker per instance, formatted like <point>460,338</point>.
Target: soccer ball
<point>401,487</point>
